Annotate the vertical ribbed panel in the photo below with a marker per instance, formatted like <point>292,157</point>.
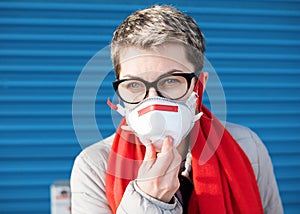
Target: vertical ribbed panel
<point>253,46</point>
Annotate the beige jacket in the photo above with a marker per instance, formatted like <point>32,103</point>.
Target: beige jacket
<point>88,180</point>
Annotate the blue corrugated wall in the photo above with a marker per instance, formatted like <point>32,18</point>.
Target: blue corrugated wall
<point>253,46</point>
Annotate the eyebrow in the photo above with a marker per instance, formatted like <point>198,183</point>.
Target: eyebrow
<point>168,72</point>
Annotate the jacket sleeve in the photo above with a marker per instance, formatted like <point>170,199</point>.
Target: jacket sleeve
<point>88,188</point>
<point>88,192</point>
<point>266,180</point>
<point>135,199</point>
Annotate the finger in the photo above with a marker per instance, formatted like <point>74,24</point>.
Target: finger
<point>164,158</point>
<point>160,164</point>
<point>177,156</point>
<point>150,152</point>
<point>176,162</point>
<point>174,168</point>
<point>167,144</point>
<point>148,161</point>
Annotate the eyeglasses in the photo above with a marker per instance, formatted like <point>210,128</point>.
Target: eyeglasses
<point>172,86</point>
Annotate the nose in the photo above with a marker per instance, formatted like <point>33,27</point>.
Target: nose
<point>152,92</point>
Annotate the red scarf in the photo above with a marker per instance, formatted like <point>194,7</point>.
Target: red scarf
<point>224,181</point>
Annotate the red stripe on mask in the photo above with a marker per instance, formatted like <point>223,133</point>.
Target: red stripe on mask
<point>157,107</point>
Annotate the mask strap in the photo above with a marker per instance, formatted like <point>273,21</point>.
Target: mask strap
<point>121,111</point>
<point>197,116</point>
<point>187,165</point>
<point>111,105</point>
<point>117,107</point>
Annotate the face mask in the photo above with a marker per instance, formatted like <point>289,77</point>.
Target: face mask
<point>155,118</point>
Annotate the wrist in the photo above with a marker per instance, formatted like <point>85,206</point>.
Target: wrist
<point>163,203</point>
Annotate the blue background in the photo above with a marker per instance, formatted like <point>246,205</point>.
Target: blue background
<point>253,45</point>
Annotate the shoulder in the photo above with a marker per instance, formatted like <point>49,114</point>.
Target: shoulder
<point>89,168</point>
<point>245,137</point>
<point>261,164</point>
<point>96,155</point>
<point>249,142</point>
<point>88,179</point>
<point>93,159</point>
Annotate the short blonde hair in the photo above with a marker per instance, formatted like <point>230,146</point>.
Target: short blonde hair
<point>154,26</point>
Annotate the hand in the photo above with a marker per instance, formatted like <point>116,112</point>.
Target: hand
<point>158,174</point>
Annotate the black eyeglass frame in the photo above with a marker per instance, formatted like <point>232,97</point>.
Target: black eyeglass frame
<point>187,76</point>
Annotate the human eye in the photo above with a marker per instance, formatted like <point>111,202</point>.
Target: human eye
<point>134,85</point>
<point>170,82</point>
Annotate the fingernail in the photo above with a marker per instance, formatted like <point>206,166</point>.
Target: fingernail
<point>170,139</point>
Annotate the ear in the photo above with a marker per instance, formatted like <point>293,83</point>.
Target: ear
<point>204,78</point>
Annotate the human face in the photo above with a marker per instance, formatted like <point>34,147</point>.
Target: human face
<point>149,65</point>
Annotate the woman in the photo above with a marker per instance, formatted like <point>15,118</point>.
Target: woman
<point>152,164</point>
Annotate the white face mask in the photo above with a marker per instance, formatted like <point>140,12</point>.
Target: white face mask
<point>155,118</point>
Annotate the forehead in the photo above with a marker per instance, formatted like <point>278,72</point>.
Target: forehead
<point>162,59</point>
